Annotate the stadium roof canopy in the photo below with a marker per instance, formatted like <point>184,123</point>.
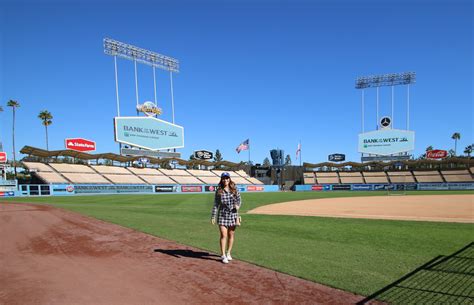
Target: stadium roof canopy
<point>413,163</point>
<point>41,153</point>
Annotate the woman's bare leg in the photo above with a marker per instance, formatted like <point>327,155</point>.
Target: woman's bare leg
<point>230,239</point>
<point>223,239</point>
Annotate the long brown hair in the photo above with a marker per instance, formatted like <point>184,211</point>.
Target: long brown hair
<point>232,187</point>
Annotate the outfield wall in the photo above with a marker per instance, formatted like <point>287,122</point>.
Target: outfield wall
<point>382,187</point>
<point>84,189</point>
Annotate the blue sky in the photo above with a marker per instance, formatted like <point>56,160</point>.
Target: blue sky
<point>277,72</point>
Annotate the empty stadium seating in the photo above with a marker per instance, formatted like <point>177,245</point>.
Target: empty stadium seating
<point>351,177</point>
<point>375,177</point>
<point>327,177</point>
<point>71,168</point>
<point>457,175</point>
<point>428,176</point>
<point>401,177</point>
<point>308,178</point>
<point>37,167</point>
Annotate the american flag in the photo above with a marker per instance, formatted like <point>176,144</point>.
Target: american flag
<point>243,146</point>
<point>298,150</point>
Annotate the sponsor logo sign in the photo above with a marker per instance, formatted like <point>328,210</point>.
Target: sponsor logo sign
<point>149,133</point>
<point>70,188</point>
<point>379,187</point>
<point>149,153</point>
<point>3,157</point>
<point>446,186</point>
<point>191,189</point>
<point>316,187</point>
<point>341,187</point>
<point>336,157</point>
<point>210,188</point>
<point>436,154</point>
<point>165,189</point>
<point>149,109</point>
<point>79,144</point>
<point>7,194</point>
<point>114,189</point>
<point>386,142</point>
<point>361,187</point>
<point>203,154</point>
<point>255,188</point>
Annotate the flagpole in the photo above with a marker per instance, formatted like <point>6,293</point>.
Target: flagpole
<point>249,153</point>
<point>300,153</point>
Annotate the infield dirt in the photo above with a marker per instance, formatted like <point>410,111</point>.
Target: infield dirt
<point>445,208</point>
<point>52,256</point>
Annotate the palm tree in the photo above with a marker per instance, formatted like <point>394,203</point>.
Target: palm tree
<point>468,150</point>
<point>456,136</point>
<point>14,104</point>
<point>46,118</point>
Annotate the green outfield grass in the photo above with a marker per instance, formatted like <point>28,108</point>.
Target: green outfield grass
<point>356,255</point>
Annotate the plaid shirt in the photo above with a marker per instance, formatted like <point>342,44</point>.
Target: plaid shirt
<point>223,205</point>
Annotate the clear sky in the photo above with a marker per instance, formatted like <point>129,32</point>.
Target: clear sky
<point>276,72</point>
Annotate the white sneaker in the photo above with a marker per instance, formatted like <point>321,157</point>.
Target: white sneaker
<point>229,258</point>
<point>224,259</point>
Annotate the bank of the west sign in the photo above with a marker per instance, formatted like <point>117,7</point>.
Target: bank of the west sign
<point>386,142</point>
<point>149,133</point>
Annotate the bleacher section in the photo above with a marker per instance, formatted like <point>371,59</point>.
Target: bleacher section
<point>101,174</point>
<point>375,177</point>
<point>401,177</point>
<point>327,178</point>
<point>428,176</point>
<point>71,168</point>
<point>118,175</point>
<point>351,177</point>
<point>85,178</point>
<point>457,176</point>
<point>308,178</point>
<point>207,177</point>
<point>38,167</point>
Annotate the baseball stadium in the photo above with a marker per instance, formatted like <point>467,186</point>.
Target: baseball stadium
<point>134,227</point>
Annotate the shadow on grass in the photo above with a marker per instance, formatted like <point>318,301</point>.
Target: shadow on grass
<point>188,253</point>
<point>442,280</point>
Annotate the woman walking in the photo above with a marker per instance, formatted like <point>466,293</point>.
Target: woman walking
<point>226,205</point>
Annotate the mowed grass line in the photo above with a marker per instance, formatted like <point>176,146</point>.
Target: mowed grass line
<point>356,255</point>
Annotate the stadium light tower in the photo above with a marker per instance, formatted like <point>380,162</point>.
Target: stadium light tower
<point>391,80</point>
<point>138,55</point>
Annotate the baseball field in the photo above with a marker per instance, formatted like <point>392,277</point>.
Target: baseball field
<point>355,253</point>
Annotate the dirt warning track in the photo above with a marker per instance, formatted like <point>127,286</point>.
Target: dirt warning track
<point>52,256</point>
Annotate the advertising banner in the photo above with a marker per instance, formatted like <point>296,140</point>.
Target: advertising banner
<point>341,187</point>
<point>337,157</point>
<point>3,157</point>
<point>386,142</point>
<point>191,189</point>
<point>165,188</point>
<point>62,189</point>
<point>316,187</point>
<point>112,189</point>
<point>203,154</point>
<point>255,188</point>
<point>445,186</point>
<point>380,187</point>
<point>362,187</point>
<point>148,132</point>
<point>79,144</point>
<point>210,188</point>
<point>436,154</point>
